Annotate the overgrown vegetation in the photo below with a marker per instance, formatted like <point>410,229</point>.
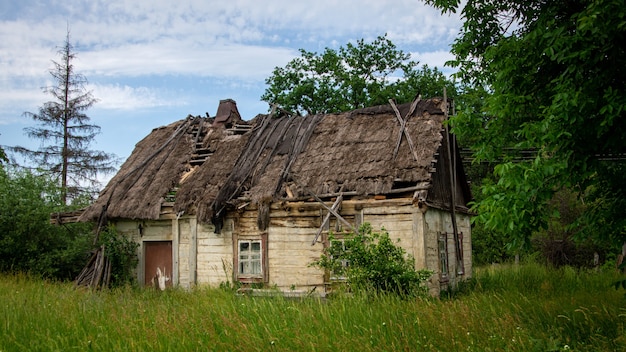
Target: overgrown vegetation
<point>28,242</point>
<point>563,242</point>
<point>525,308</point>
<point>122,252</point>
<point>372,262</point>
<point>61,176</point>
<point>548,79</point>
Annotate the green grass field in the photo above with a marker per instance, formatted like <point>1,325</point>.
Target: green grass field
<point>526,308</point>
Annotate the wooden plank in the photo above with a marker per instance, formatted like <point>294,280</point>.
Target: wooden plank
<point>324,195</point>
<point>292,222</point>
<point>326,206</point>
<point>402,122</point>
<point>287,234</point>
<point>175,252</point>
<point>327,218</point>
<point>409,189</point>
<point>193,251</point>
<point>385,219</point>
<point>302,212</point>
<point>387,211</point>
<point>346,204</point>
<point>289,192</point>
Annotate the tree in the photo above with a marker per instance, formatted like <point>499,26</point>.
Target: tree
<point>28,241</point>
<point>556,78</point>
<point>65,132</point>
<point>3,157</point>
<point>355,76</point>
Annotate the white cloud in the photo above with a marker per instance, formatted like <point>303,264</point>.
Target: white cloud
<point>15,101</point>
<point>162,58</point>
<point>169,57</point>
<point>124,97</point>
<point>433,59</point>
<point>234,38</point>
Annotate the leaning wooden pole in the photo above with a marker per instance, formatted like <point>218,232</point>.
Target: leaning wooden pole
<point>452,173</point>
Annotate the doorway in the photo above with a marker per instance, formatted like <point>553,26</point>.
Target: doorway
<point>158,264</point>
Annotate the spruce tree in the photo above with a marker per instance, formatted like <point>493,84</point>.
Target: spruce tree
<point>65,131</point>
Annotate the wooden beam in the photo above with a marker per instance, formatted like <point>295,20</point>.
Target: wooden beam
<point>324,195</point>
<point>339,217</point>
<point>403,130</point>
<point>452,172</point>
<point>327,218</point>
<point>409,189</point>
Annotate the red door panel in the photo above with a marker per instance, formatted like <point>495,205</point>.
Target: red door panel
<point>158,264</point>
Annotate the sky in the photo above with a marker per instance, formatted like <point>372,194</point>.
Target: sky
<point>152,62</point>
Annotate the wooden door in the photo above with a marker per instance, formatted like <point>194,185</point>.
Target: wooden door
<point>158,264</point>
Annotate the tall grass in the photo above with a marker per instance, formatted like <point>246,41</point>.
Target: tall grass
<point>526,308</point>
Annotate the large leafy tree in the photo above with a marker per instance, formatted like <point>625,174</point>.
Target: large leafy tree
<point>65,131</point>
<point>28,241</point>
<point>555,74</point>
<point>355,76</point>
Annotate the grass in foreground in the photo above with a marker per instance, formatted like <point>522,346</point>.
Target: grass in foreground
<point>527,308</point>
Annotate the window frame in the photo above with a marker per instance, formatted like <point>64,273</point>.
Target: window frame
<point>461,260</point>
<point>263,277</point>
<point>444,257</point>
<point>249,253</point>
<point>332,275</point>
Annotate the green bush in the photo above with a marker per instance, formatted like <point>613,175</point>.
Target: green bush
<point>372,262</point>
<point>122,252</point>
<point>28,241</point>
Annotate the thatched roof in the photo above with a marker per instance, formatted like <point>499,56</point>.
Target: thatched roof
<point>278,157</point>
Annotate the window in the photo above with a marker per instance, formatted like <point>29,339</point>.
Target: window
<point>338,247</point>
<point>443,257</point>
<point>250,258</point>
<point>461,263</point>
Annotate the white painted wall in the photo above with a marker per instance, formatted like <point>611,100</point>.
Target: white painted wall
<point>205,258</point>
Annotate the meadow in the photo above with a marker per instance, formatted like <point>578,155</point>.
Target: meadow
<point>504,308</point>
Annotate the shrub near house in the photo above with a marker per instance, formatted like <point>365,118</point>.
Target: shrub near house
<point>370,261</point>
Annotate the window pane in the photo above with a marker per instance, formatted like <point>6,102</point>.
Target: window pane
<point>256,267</point>
<point>443,254</point>
<point>250,258</point>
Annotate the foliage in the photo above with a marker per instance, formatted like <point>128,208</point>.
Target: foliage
<point>605,204</point>
<point>122,253</point>
<point>65,132</point>
<point>28,242</point>
<point>374,263</point>
<point>555,78</point>
<point>561,242</point>
<point>355,76</point>
<point>489,247</point>
<point>509,308</point>
<point>564,242</point>
<point>3,157</point>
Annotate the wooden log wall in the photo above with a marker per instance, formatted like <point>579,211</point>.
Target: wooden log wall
<point>206,258</point>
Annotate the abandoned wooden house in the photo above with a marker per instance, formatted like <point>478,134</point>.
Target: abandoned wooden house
<point>213,200</point>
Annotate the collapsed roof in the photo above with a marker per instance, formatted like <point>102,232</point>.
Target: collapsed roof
<point>204,166</point>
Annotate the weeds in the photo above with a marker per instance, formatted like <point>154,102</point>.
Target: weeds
<point>526,308</point>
